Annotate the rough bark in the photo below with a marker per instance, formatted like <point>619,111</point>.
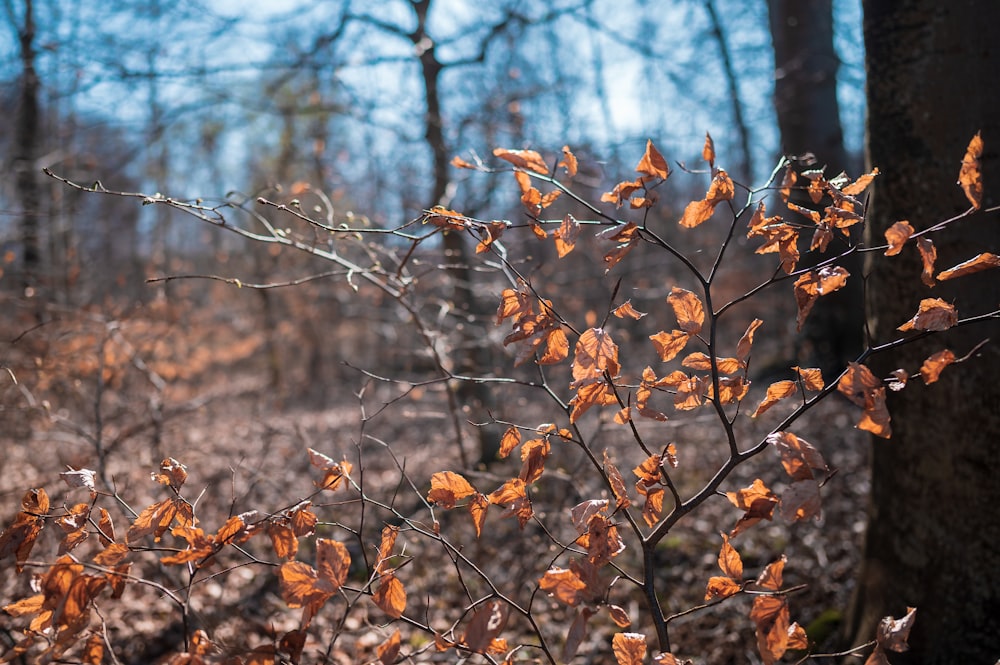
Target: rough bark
<point>805,102</point>
<point>933,529</point>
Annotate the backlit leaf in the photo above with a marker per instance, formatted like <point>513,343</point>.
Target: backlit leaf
<point>616,481</point>
<point>478,506</point>
<point>390,595</point>
<point>566,235</point>
<point>771,577</point>
<point>568,161</point>
<point>857,382</point>
<point>486,623</point>
<point>897,235</point>
<point>931,369</point>
<point>928,254</point>
<point>626,310</point>
<point>933,314</point>
<point>619,616</point>
<point>388,652</point>
<point>563,585</point>
<point>708,150</point>
<point>798,456</point>
<point>757,501</point>
<point>668,345</point>
<point>813,284</point>
<point>800,501</point>
<point>697,212</point>
<point>861,184</point>
<point>523,159</point>
<point>730,562</point>
<point>653,163</point>
<point>172,473</point>
<point>875,418</point>
<point>720,586</point>
<point>969,176</point>
<point>448,487</point>
<point>776,392</point>
<point>983,261</point>
<point>811,377</point>
<point>688,309</point>
<point>746,342</point>
<point>629,648</point>
<point>511,439</point>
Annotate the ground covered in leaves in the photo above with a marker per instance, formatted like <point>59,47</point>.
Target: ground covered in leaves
<point>118,393</point>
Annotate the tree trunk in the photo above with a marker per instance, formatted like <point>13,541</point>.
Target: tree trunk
<point>470,355</point>
<point>26,149</point>
<point>933,532</point>
<point>805,101</point>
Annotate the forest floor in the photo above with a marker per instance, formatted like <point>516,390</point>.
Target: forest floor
<point>89,395</point>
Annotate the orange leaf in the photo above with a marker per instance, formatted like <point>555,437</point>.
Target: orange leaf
<point>301,586</point>
<point>652,507</point>
<point>629,648</point>
<point>757,501</point>
<point>447,487</point>
<point>983,261</point>
<point>746,342</point>
<point>286,545</point>
<point>771,577</point>
<point>523,159</point>
<point>721,189</point>
<point>708,150</point>
<point>616,481</point>
<point>800,501</point>
<point>388,541</point>
<point>460,163</point>
<point>928,254</point>
<point>563,585</point>
<point>668,345</point>
<point>897,235</point>
<point>390,595</point>
<point>332,562</point>
<point>568,161</point>
<point>653,163</point>
<point>813,284</point>
<point>933,314</point>
<point>513,496</point>
<point>970,177</point>
<point>876,416</point>
<point>533,455</point>
<point>932,367</point>
<point>776,392</point>
<point>93,652</point>
<point>172,473</point>
<point>627,310</point>
<point>388,651</point>
<point>721,587</point>
<point>811,378</point>
<point>730,562</point>
<point>511,439</point>
<point>566,235</point>
<point>619,616</point>
<point>478,506</point>
<point>798,456</point>
<point>857,382</point>
<point>688,309</point>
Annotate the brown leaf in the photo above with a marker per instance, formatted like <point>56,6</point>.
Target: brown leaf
<point>448,487</point>
<point>629,648</point>
<point>933,314</point>
<point>653,163</point>
<point>697,212</point>
<point>332,562</point>
<point>668,345</point>
<point>798,456</point>
<point>172,473</point>
<point>893,633</point>
<point>533,456</point>
<point>969,176</point>
<point>928,254</point>
<point>79,478</point>
<point>931,369</point>
<point>626,310</point>
<point>478,506</point>
<point>616,481</point>
<point>652,507</point>
<point>566,235</point>
<point>746,342</point>
<point>388,651</point>
<point>688,309</point>
<point>800,501</point>
<point>513,496</point>
<point>978,263</point>
<point>721,587</point>
<point>460,163</point>
<point>388,541</point>
<point>730,562</point>
<point>390,595</point>
<point>595,353</point>
<point>619,616</point>
<point>813,284</point>
<point>897,235</point>
<point>486,623</point>
<point>563,585</point>
<point>511,439</point>
<point>93,651</point>
<point>771,577</point>
<point>857,382</point>
<point>286,545</point>
<point>568,161</point>
<point>708,150</point>
<point>523,159</point>
<point>757,501</point>
<point>876,416</point>
<point>776,392</point>
<point>811,378</point>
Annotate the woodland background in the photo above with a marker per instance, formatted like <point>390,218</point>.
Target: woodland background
<point>353,111</point>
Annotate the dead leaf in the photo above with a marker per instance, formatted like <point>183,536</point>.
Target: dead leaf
<point>969,176</point>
